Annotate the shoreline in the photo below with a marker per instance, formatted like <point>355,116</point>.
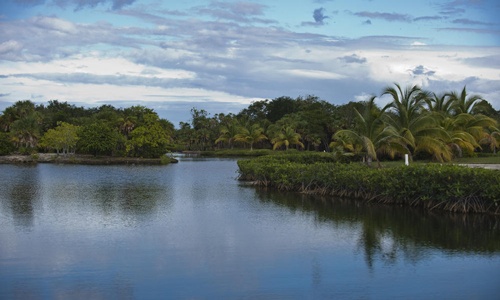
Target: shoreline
<point>82,159</point>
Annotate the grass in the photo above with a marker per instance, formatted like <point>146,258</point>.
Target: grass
<point>478,160</point>
<point>492,159</point>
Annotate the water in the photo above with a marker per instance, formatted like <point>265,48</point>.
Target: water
<point>191,231</point>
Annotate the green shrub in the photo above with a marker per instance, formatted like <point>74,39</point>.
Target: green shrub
<point>449,187</point>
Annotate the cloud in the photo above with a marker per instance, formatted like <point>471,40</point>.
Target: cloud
<point>391,17</point>
<point>428,18</point>
<point>490,61</point>
<point>421,70</point>
<point>29,2</point>
<point>242,11</point>
<point>82,4</point>
<point>353,59</point>
<point>417,43</point>
<point>457,7</point>
<point>494,32</point>
<point>469,22</point>
<point>319,17</point>
<point>367,22</point>
<point>78,4</point>
<point>66,38</point>
<point>218,53</point>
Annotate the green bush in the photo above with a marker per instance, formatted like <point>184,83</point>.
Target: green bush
<point>449,187</point>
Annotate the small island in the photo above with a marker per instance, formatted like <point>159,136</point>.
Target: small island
<point>84,159</point>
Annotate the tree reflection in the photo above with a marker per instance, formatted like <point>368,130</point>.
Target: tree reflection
<point>391,233</point>
<point>22,196</point>
<point>129,199</point>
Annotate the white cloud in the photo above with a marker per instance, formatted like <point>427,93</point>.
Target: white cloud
<point>95,65</point>
<point>317,74</point>
<point>55,24</point>
<point>394,66</point>
<point>10,46</point>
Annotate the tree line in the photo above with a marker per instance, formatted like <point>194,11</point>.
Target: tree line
<point>60,127</point>
<point>416,122</point>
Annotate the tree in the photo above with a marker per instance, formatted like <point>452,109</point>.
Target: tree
<point>149,140</point>
<point>371,134</point>
<point>26,130</point>
<point>491,138</point>
<point>184,136</point>
<point>24,124</point>
<point>228,132</point>
<point>279,107</point>
<point>98,138</point>
<point>464,103</point>
<point>205,130</point>
<point>442,104</point>
<point>251,135</point>
<point>6,146</point>
<point>460,137</point>
<point>419,129</point>
<point>62,138</point>
<point>286,137</point>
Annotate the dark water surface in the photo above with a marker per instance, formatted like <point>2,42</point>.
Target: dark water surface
<point>191,231</point>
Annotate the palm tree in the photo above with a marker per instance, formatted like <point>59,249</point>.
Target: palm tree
<point>287,136</point>
<point>419,129</point>
<point>250,135</point>
<point>26,131</point>
<point>466,104</point>
<point>371,135</point>
<point>468,131</point>
<point>127,124</point>
<point>459,138</point>
<point>228,132</point>
<point>442,104</point>
<point>491,138</point>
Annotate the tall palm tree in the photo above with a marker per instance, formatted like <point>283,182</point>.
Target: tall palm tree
<point>464,103</point>
<point>287,136</point>
<point>228,132</point>
<point>372,135</point>
<point>419,129</point>
<point>251,135</point>
<point>26,131</point>
<point>442,104</point>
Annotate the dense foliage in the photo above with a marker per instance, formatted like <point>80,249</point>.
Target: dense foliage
<point>448,187</point>
<point>416,122</point>
<point>134,132</point>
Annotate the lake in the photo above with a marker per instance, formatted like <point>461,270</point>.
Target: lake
<point>192,231</point>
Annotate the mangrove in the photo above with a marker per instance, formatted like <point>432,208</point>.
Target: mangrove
<point>431,186</point>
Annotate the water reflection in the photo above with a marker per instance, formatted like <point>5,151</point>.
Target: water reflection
<point>108,195</point>
<point>392,233</point>
<point>157,232</point>
<point>21,193</point>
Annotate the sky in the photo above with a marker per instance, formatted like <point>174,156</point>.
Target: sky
<point>221,56</point>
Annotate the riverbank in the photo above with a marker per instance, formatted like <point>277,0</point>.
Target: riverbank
<point>83,159</point>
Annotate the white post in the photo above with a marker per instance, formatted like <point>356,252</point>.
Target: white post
<point>406,160</point>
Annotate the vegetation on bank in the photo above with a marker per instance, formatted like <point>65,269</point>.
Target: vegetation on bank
<point>84,159</point>
<point>433,186</point>
<point>422,124</point>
